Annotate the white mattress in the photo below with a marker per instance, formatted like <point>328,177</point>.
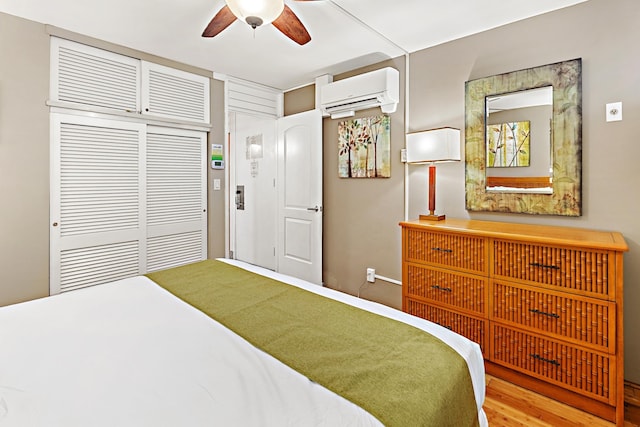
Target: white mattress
<point>128,353</point>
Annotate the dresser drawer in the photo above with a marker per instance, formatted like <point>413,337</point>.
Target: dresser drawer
<point>467,326</point>
<point>466,253</point>
<point>588,321</point>
<point>458,290</point>
<point>577,270</point>
<point>571,367</point>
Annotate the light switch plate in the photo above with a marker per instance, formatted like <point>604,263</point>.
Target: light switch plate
<point>614,112</point>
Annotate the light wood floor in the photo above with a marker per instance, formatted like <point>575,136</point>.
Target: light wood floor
<point>508,405</point>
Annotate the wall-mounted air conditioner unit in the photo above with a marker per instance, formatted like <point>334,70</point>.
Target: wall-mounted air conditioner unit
<point>379,88</point>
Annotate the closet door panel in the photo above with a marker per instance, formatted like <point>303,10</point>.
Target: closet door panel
<point>174,94</point>
<point>86,75</point>
<point>97,220</point>
<point>176,197</point>
<point>94,265</point>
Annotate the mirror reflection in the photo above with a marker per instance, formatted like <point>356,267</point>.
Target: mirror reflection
<point>518,141</point>
<point>559,175</point>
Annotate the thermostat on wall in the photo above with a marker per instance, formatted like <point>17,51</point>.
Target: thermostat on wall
<point>217,156</point>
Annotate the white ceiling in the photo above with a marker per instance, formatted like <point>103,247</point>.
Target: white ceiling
<point>346,34</point>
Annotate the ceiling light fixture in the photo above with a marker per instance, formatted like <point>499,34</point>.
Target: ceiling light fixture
<point>256,12</point>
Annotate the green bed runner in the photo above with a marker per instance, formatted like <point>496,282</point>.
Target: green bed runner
<point>399,374</point>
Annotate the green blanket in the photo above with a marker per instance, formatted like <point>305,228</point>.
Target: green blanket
<point>396,372</point>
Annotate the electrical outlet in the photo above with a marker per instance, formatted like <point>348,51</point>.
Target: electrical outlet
<point>614,111</point>
<point>371,274</point>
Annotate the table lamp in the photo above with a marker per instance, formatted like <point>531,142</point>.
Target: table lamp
<point>431,147</point>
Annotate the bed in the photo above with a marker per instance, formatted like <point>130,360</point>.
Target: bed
<point>137,352</point>
<point>529,184</point>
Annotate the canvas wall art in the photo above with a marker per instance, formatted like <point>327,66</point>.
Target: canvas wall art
<point>364,147</point>
<point>508,144</point>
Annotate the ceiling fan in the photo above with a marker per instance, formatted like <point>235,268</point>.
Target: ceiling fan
<point>259,12</point>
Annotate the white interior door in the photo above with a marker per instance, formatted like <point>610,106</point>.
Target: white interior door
<point>253,189</point>
<point>300,196</point>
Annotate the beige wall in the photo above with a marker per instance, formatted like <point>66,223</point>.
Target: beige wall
<point>302,99</point>
<point>361,216</point>
<point>24,155</point>
<point>24,160</point>
<point>360,222</point>
<point>216,223</point>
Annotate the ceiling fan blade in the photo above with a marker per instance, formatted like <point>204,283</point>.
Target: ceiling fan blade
<point>222,20</point>
<point>289,25</point>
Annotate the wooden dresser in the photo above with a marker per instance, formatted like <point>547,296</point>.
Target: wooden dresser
<point>543,302</point>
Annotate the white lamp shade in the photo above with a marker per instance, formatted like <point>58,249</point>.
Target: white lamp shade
<point>437,145</point>
<point>267,10</point>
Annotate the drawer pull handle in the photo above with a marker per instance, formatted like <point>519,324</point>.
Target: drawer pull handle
<point>442,250</point>
<point>440,288</point>
<point>445,326</point>
<point>536,311</point>
<point>537,264</point>
<point>551,361</point>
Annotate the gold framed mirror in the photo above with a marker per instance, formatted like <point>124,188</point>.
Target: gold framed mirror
<point>551,188</point>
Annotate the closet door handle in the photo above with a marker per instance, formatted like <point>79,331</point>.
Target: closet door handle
<point>315,208</point>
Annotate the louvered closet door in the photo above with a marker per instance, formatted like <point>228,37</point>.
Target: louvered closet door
<point>125,200</point>
<point>97,184</point>
<point>176,197</point>
<point>174,94</point>
<point>89,76</point>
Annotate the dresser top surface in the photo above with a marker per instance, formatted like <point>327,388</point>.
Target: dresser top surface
<point>545,234</point>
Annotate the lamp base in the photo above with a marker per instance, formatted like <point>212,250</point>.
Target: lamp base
<point>433,217</point>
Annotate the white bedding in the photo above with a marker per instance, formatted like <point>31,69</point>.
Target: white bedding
<point>128,353</point>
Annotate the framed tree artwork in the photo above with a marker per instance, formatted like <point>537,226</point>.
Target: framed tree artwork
<point>364,147</point>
